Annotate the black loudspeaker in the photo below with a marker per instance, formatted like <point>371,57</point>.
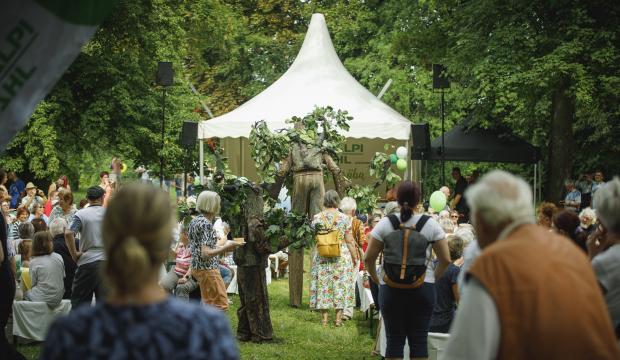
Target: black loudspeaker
<point>440,81</point>
<point>421,136</point>
<point>189,134</point>
<point>165,74</point>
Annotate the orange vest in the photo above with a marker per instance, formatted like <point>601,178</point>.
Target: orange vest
<point>548,299</point>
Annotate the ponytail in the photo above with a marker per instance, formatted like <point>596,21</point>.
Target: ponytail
<point>128,266</point>
<point>408,195</point>
<point>137,231</point>
<point>406,212</point>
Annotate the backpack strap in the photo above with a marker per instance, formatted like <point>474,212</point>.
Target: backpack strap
<point>325,221</point>
<point>420,224</point>
<point>403,261</point>
<point>395,221</point>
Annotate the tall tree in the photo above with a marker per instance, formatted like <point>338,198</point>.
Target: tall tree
<point>545,68</point>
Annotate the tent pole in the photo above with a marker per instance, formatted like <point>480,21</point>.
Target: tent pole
<point>202,160</point>
<point>535,184</point>
<point>409,170</point>
<point>242,172</point>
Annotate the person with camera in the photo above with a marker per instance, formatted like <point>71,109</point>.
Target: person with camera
<point>33,196</point>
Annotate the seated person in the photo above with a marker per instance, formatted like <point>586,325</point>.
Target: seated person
<point>46,271</point>
<point>57,229</point>
<point>226,259</point>
<point>446,289</point>
<point>179,279</point>
<point>38,212</point>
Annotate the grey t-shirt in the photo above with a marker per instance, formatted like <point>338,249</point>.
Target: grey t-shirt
<point>88,222</point>
<point>607,268</point>
<point>47,273</point>
<point>431,230</point>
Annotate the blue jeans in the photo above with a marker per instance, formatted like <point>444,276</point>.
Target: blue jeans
<point>407,315</point>
<point>227,275</point>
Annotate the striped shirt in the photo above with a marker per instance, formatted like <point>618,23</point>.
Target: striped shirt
<point>183,260</point>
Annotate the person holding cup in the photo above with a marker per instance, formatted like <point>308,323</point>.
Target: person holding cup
<point>205,250</point>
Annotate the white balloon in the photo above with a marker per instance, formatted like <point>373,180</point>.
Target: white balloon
<point>401,152</point>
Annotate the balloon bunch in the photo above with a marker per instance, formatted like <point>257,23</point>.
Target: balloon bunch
<point>400,158</point>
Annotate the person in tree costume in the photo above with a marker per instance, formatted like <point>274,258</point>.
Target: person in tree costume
<point>251,260</point>
<point>305,161</point>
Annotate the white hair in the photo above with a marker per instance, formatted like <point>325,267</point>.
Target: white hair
<point>607,202</point>
<point>208,203</point>
<point>446,225</point>
<point>392,208</point>
<point>466,234</point>
<point>588,212</point>
<point>347,204</point>
<point>500,198</point>
<point>444,214</point>
<point>58,226</point>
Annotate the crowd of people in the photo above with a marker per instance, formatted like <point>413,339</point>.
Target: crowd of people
<point>455,271</point>
<point>112,252</point>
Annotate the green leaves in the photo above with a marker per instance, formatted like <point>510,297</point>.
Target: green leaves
<point>321,128</point>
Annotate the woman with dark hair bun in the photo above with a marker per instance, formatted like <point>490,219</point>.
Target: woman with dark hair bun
<point>567,223</point>
<point>407,310</point>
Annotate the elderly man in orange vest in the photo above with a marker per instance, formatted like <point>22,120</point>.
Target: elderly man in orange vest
<point>531,294</point>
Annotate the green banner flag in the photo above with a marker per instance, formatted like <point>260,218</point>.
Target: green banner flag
<point>38,42</point>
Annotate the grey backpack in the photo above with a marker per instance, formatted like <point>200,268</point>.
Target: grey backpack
<point>404,254</point>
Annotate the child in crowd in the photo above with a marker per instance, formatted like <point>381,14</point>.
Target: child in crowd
<point>179,279</point>
<point>446,289</point>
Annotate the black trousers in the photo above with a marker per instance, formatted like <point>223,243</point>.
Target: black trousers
<point>407,315</point>
<point>7,295</point>
<point>87,281</point>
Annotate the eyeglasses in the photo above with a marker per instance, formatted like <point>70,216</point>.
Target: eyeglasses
<point>454,216</point>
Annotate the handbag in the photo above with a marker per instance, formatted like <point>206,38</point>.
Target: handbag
<point>327,242</point>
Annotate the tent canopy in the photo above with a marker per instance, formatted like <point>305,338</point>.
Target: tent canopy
<point>316,78</point>
<point>465,143</point>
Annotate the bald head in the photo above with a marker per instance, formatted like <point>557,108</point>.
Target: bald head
<point>445,190</point>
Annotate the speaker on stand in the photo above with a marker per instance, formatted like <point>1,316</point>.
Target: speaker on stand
<point>441,82</point>
<point>165,78</point>
<point>189,135</point>
<point>421,139</point>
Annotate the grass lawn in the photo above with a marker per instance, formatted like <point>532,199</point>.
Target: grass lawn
<point>298,333</point>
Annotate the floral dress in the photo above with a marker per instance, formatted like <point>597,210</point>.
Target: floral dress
<point>332,283</point>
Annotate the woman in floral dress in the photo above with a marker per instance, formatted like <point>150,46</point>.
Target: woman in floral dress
<point>331,284</point>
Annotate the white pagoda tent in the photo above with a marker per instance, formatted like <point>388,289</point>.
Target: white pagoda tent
<point>317,77</point>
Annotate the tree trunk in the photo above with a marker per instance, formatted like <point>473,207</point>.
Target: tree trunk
<point>561,143</point>
<point>296,276</point>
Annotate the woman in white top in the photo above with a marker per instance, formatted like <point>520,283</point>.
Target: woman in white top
<point>47,271</point>
<point>407,312</point>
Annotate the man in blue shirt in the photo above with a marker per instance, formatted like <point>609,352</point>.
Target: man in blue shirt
<point>572,201</point>
<point>16,189</point>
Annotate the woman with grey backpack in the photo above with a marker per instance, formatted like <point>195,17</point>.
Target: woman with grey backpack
<point>407,280</point>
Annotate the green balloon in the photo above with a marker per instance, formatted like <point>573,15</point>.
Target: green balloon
<point>393,158</point>
<point>196,181</point>
<point>438,201</point>
<point>401,164</point>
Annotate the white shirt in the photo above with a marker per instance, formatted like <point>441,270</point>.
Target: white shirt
<point>475,332</point>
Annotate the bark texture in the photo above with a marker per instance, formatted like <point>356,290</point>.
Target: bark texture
<point>251,259</point>
<point>561,143</point>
